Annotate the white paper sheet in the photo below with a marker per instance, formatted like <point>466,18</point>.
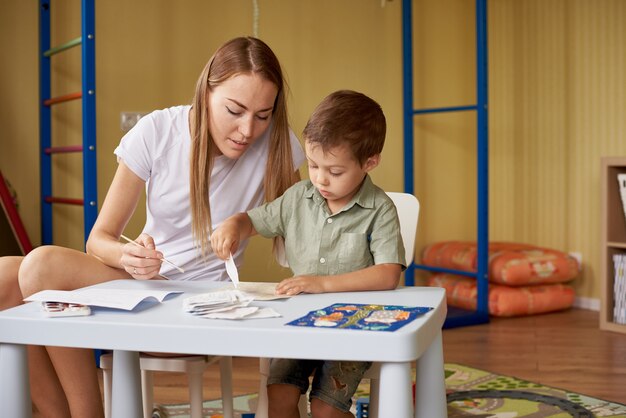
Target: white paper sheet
<point>126,299</point>
<point>234,313</point>
<point>231,269</point>
<point>250,312</point>
<point>230,303</point>
<point>219,299</point>
<point>258,290</point>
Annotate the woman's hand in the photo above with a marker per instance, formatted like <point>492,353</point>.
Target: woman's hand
<point>141,259</point>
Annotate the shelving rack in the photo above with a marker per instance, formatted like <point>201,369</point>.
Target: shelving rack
<point>613,240</point>
<point>88,96</point>
<point>456,317</point>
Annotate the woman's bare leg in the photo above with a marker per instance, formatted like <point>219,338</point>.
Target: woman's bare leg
<point>76,370</point>
<point>10,294</point>
<point>46,390</point>
<point>61,268</point>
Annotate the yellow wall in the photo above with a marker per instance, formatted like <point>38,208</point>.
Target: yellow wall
<point>557,100</point>
<point>19,117</point>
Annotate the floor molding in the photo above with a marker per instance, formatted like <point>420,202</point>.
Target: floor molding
<point>592,304</point>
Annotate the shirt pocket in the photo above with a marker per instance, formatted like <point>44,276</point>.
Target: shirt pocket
<point>353,252</point>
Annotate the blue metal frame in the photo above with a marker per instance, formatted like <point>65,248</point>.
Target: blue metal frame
<point>88,61</point>
<point>444,109</point>
<point>482,95</point>
<point>407,100</point>
<point>88,65</point>
<point>460,317</point>
<point>45,177</point>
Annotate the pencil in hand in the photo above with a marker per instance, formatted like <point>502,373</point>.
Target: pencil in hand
<point>164,259</point>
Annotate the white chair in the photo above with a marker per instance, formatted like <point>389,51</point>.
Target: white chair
<point>194,366</point>
<point>408,208</point>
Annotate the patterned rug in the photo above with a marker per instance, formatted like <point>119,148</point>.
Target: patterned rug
<point>471,393</point>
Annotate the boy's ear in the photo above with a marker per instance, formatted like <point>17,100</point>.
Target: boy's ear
<point>371,163</point>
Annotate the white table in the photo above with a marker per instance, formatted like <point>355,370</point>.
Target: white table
<point>165,327</point>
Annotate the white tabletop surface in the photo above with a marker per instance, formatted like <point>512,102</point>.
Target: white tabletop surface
<point>165,327</point>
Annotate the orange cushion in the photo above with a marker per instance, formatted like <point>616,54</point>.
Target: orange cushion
<point>509,263</point>
<point>505,300</point>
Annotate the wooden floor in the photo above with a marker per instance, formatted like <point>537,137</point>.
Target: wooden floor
<point>565,350</point>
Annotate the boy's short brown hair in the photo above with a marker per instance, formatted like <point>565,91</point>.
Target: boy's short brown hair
<point>347,117</point>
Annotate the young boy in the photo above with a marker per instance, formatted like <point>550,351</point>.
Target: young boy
<point>341,234</point>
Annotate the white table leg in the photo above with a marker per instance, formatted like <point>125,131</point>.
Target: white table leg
<point>126,399</point>
<point>395,391</point>
<point>262,405</point>
<point>226,382</point>
<point>14,385</point>
<point>430,385</point>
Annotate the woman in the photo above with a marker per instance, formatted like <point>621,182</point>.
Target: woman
<point>227,152</point>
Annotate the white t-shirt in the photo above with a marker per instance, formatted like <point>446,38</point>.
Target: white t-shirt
<point>157,149</point>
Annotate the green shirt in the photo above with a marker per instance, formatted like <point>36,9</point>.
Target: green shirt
<point>364,233</point>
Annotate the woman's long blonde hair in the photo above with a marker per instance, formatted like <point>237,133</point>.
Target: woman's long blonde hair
<point>245,55</point>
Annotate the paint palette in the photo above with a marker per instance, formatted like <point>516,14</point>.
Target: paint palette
<point>54,309</point>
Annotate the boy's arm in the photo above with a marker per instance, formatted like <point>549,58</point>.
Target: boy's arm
<point>377,277</point>
<point>226,238</point>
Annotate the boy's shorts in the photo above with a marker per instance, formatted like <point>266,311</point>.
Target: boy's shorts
<point>334,382</point>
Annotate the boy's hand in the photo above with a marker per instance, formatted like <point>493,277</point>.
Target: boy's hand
<point>225,239</point>
<point>300,284</point>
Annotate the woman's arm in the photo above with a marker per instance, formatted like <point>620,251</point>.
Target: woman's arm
<point>377,277</point>
<point>118,207</point>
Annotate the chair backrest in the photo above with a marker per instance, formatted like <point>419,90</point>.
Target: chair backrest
<point>408,208</point>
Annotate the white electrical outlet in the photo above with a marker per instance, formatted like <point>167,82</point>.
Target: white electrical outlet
<point>579,258</point>
<point>129,119</point>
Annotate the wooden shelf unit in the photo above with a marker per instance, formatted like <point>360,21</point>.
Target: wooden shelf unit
<point>613,237</point>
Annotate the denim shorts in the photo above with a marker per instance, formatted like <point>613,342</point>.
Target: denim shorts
<point>334,382</point>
